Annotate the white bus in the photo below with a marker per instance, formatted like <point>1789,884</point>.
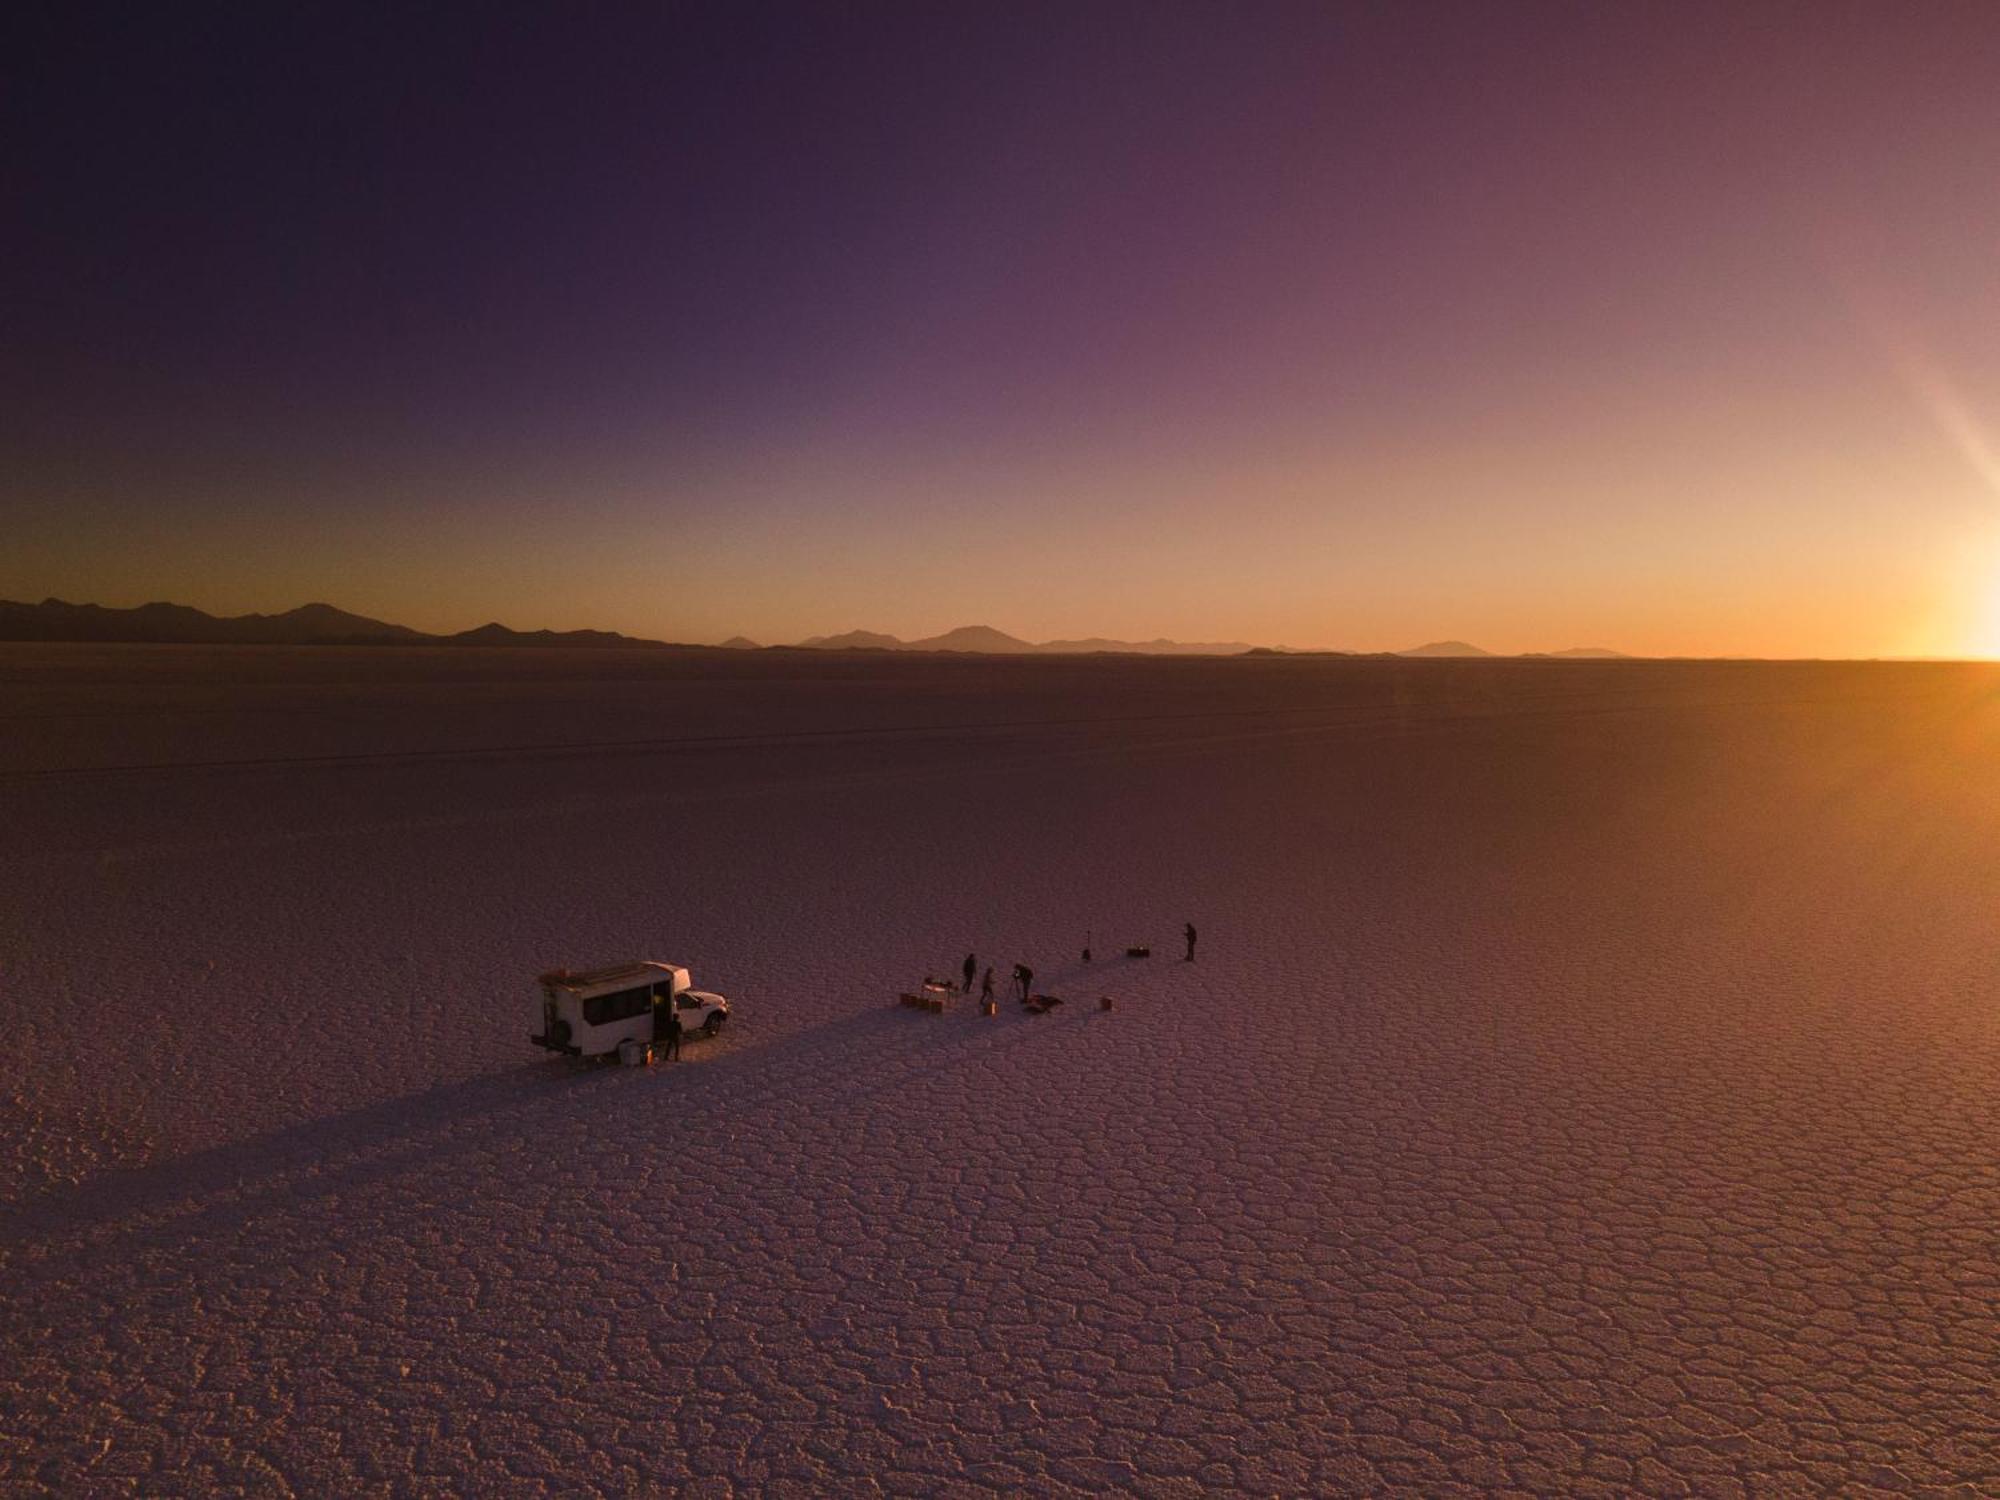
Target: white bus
<point>588,1013</point>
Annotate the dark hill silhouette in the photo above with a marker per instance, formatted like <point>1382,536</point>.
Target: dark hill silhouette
<point>323,622</point>
<point>854,640</point>
<point>308,625</point>
<point>971,638</point>
<point>985,639</point>
<point>496,634</point>
<point>1445,648</point>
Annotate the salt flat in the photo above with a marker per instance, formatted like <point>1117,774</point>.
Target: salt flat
<point>1589,1081</point>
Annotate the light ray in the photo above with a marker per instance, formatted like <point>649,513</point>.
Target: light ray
<point>1924,378</point>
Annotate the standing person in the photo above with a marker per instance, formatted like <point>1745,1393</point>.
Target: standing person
<point>969,967</point>
<point>674,1035</point>
<point>1027,982</point>
<point>1021,979</point>
<point>986,984</point>
<point>1190,942</point>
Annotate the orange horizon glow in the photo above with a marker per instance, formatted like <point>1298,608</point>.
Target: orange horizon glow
<point>1328,327</point>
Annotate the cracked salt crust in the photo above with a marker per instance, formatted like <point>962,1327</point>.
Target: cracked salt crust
<point>1588,1083</point>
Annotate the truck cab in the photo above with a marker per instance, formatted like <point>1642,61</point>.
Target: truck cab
<point>587,1013</point>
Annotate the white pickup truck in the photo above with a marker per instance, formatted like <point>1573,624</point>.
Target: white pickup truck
<point>587,1013</point>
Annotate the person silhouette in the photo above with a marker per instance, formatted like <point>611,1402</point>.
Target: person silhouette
<point>986,984</point>
<point>969,968</point>
<point>1189,933</point>
<point>1023,977</point>
<point>674,1029</point>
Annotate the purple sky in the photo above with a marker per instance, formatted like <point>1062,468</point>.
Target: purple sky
<point>1672,328</point>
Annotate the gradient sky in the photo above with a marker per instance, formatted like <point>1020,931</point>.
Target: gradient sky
<point>1673,328</point>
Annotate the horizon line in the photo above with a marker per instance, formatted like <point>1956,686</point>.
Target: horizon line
<point>411,636</point>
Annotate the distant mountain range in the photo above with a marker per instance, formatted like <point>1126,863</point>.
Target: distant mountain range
<point>985,639</point>
<point>324,625</point>
<point>1466,648</point>
<point>308,625</point>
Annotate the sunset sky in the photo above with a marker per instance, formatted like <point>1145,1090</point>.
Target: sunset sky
<point>1671,328</point>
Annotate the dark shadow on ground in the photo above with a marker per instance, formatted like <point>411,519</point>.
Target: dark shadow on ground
<point>226,1187</point>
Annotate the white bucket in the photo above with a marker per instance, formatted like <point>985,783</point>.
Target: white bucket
<point>632,1054</point>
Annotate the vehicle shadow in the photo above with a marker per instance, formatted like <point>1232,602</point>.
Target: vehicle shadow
<point>224,1188</point>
